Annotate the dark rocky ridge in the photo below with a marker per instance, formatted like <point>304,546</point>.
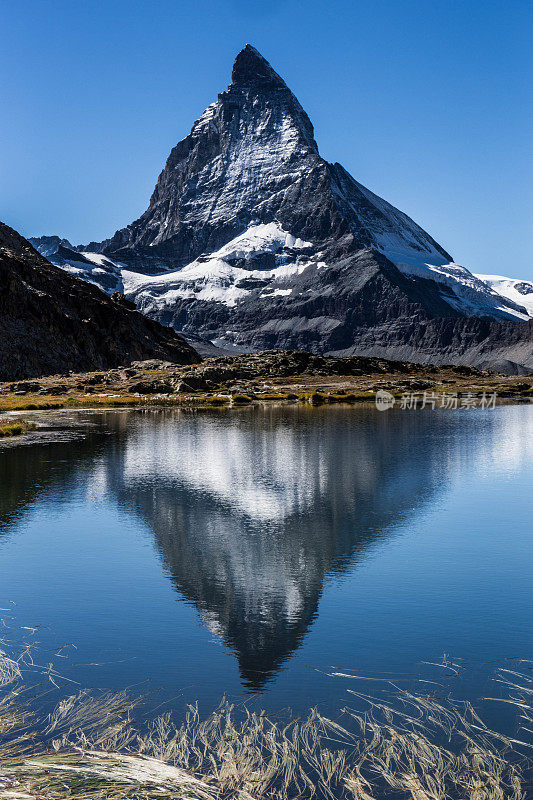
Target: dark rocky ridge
<point>51,322</point>
<point>504,347</point>
<point>49,245</point>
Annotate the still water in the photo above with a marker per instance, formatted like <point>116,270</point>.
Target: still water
<point>255,552</point>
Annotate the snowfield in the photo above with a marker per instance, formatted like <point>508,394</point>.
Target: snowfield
<point>217,278</point>
<point>105,274</point>
<point>472,295</point>
<point>514,289</point>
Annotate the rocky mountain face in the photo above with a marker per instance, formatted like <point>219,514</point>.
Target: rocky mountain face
<point>252,239</point>
<point>49,245</point>
<point>251,158</point>
<point>51,322</point>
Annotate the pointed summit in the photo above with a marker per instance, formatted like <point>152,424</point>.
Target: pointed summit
<point>251,69</point>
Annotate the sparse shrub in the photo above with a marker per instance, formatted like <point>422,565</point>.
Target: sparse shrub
<point>317,399</point>
<point>16,428</point>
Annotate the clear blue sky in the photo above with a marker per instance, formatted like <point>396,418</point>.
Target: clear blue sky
<point>426,102</point>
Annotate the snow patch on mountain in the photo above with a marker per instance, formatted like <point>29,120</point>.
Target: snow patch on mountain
<point>93,268</point>
<point>396,234</point>
<point>415,253</point>
<point>228,274</point>
<point>268,237</point>
<point>265,257</point>
<point>514,289</point>
<point>465,291</point>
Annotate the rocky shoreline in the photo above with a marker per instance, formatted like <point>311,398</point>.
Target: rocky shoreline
<point>256,378</point>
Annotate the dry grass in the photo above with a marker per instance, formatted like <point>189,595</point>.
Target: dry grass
<point>409,746</point>
<point>16,428</point>
<point>120,397</point>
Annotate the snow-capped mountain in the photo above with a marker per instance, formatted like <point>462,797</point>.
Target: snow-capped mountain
<point>48,245</point>
<point>252,239</point>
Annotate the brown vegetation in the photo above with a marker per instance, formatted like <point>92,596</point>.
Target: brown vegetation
<point>269,377</point>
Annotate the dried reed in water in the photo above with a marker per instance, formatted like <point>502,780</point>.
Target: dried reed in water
<point>409,746</point>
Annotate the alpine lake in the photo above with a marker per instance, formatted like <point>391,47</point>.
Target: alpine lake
<point>276,556</point>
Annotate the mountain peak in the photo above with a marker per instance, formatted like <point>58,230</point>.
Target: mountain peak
<point>251,69</point>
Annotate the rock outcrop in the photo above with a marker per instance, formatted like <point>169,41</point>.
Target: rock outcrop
<point>51,322</point>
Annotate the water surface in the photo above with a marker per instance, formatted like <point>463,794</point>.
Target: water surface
<point>256,551</point>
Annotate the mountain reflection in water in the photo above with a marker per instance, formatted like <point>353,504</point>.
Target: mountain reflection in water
<point>251,511</point>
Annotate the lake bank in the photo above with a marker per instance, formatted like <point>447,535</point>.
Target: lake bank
<point>265,378</point>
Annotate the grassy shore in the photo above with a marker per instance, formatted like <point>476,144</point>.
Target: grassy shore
<point>259,378</point>
<point>396,745</point>
<point>16,428</point>
<point>10,402</point>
